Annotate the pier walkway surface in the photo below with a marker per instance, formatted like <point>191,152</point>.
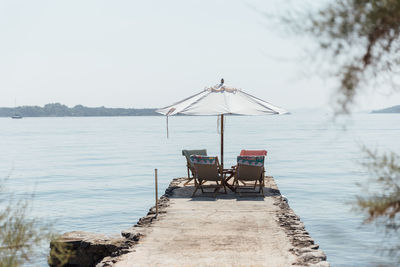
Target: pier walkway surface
<point>228,230</point>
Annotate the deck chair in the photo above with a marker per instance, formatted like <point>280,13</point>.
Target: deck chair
<point>207,169</point>
<point>249,169</point>
<point>189,164</point>
<point>245,152</point>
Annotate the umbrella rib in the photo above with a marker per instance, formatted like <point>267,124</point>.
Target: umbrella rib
<point>276,112</point>
<point>195,102</point>
<point>179,102</point>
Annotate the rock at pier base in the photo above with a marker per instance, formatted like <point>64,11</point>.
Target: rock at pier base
<point>84,249</point>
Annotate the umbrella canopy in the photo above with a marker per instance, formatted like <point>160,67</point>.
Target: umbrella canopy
<point>221,100</point>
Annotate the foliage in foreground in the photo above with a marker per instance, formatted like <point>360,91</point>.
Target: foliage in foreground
<point>360,37</point>
<point>386,202</point>
<point>382,200</point>
<point>18,234</point>
<point>21,236</point>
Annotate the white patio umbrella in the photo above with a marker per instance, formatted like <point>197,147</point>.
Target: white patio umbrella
<point>221,100</point>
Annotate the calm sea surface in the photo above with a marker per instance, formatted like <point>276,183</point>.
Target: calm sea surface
<point>97,174</point>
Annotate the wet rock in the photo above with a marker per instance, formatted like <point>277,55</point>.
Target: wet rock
<point>317,255</point>
<point>314,257</point>
<point>320,264</point>
<point>304,250</point>
<point>132,234</point>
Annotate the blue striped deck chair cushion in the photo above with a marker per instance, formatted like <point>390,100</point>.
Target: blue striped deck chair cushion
<point>251,160</point>
<point>198,159</point>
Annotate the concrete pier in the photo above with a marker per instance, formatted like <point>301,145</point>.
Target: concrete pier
<point>228,230</point>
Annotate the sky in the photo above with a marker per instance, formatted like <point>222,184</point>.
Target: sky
<point>154,53</point>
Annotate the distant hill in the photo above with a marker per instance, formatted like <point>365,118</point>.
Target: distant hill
<point>59,110</point>
<point>394,109</point>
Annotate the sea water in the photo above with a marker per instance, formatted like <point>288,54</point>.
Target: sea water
<point>96,174</point>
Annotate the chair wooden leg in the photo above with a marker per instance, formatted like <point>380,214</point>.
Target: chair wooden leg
<point>216,190</point>
<point>188,181</point>
<point>195,190</point>
<point>261,185</point>
<point>196,186</point>
<point>262,182</point>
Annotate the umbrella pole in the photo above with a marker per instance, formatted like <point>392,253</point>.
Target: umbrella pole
<point>222,141</point>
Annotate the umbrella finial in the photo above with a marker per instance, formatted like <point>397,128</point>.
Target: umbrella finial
<point>222,81</point>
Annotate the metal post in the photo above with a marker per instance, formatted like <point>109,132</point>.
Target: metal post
<point>156,192</point>
<point>222,141</point>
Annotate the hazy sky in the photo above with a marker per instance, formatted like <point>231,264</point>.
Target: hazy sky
<point>151,54</point>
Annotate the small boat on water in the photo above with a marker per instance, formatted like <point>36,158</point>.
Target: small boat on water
<point>16,116</point>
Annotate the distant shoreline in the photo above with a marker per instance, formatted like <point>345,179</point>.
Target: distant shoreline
<point>60,110</point>
<point>394,109</point>
<point>95,116</point>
